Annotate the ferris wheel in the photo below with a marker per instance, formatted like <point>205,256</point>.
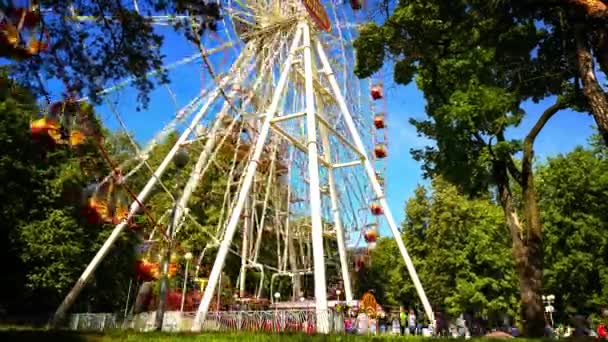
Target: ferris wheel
<point>262,92</point>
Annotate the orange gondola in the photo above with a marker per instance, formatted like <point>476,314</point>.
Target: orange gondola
<point>45,130</point>
<point>146,270</point>
<point>65,123</point>
<point>106,203</point>
<point>21,22</point>
<point>370,235</point>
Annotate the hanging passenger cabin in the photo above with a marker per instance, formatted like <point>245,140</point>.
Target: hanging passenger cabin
<point>379,122</point>
<point>371,234</point>
<point>356,4</point>
<point>377,92</point>
<point>63,124</point>
<point>106,203</point>
<point>9,37</point>
<point>380,179</point>
<point>380,151</point>
<point>146,270</point>
<point>44,131</point>
<point>20,22</point>
<point>376,209</point>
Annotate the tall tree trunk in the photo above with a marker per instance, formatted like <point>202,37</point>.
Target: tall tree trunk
<point>596,97</point>
<point>531,274</point>
<point>530,277</point>
<point>530,280</point>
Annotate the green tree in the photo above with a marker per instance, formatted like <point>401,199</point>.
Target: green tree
<point>17,168</point>
<point>459,251</point>
<point>580,29</point>
<point>476,63</point>
<point>48,242</point>
<point>573,188</point>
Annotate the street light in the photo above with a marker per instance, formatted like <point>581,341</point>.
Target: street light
<point>188,257</point>
<point>338,293</point>
<point>180,160</point>
<point>549,308</point>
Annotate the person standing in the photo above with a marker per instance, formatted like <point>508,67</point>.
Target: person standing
<point>412,322</point>
<point>402,320</point>
<point>396,326</point>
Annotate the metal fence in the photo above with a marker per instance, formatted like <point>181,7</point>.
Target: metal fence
<point>268,321</point>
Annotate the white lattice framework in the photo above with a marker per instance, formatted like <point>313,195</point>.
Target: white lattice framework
<point>272,74</point>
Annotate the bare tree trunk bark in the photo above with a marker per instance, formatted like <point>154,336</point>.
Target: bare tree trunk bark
<point>532,276</point>
<point>596,97</point>
<point>529,271</point>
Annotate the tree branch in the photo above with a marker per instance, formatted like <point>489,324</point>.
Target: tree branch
<point>531,137</point>
<point>509,163</point>
<point>544,118</point>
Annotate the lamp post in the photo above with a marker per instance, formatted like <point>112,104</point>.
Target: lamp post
<point>188,257</point>
<point>338,293</point>
<point>549,309</point>
<point>180,160</point>
<point>277,296</point>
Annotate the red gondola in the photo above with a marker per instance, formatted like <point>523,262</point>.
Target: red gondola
<point>377,92</point>
<point>380,151</point>
<point>379,121</point>
<point>356,4</point>
<point>376,209</point>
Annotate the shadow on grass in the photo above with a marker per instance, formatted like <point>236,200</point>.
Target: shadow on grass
<point>23,335</point>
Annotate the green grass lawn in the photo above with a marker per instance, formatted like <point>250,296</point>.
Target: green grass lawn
<point>21,334</point>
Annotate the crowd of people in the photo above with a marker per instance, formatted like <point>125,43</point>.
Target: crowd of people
<point>407,322</point>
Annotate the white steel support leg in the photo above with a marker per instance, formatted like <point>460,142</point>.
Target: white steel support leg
<point>210,144</point>
<point>376,186</point>
<point>196,174</point>
<point>68,301</point>
<point>244,249</point>
<point>315,190</point>
<point>244,191</point>
<point>348,293</point>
